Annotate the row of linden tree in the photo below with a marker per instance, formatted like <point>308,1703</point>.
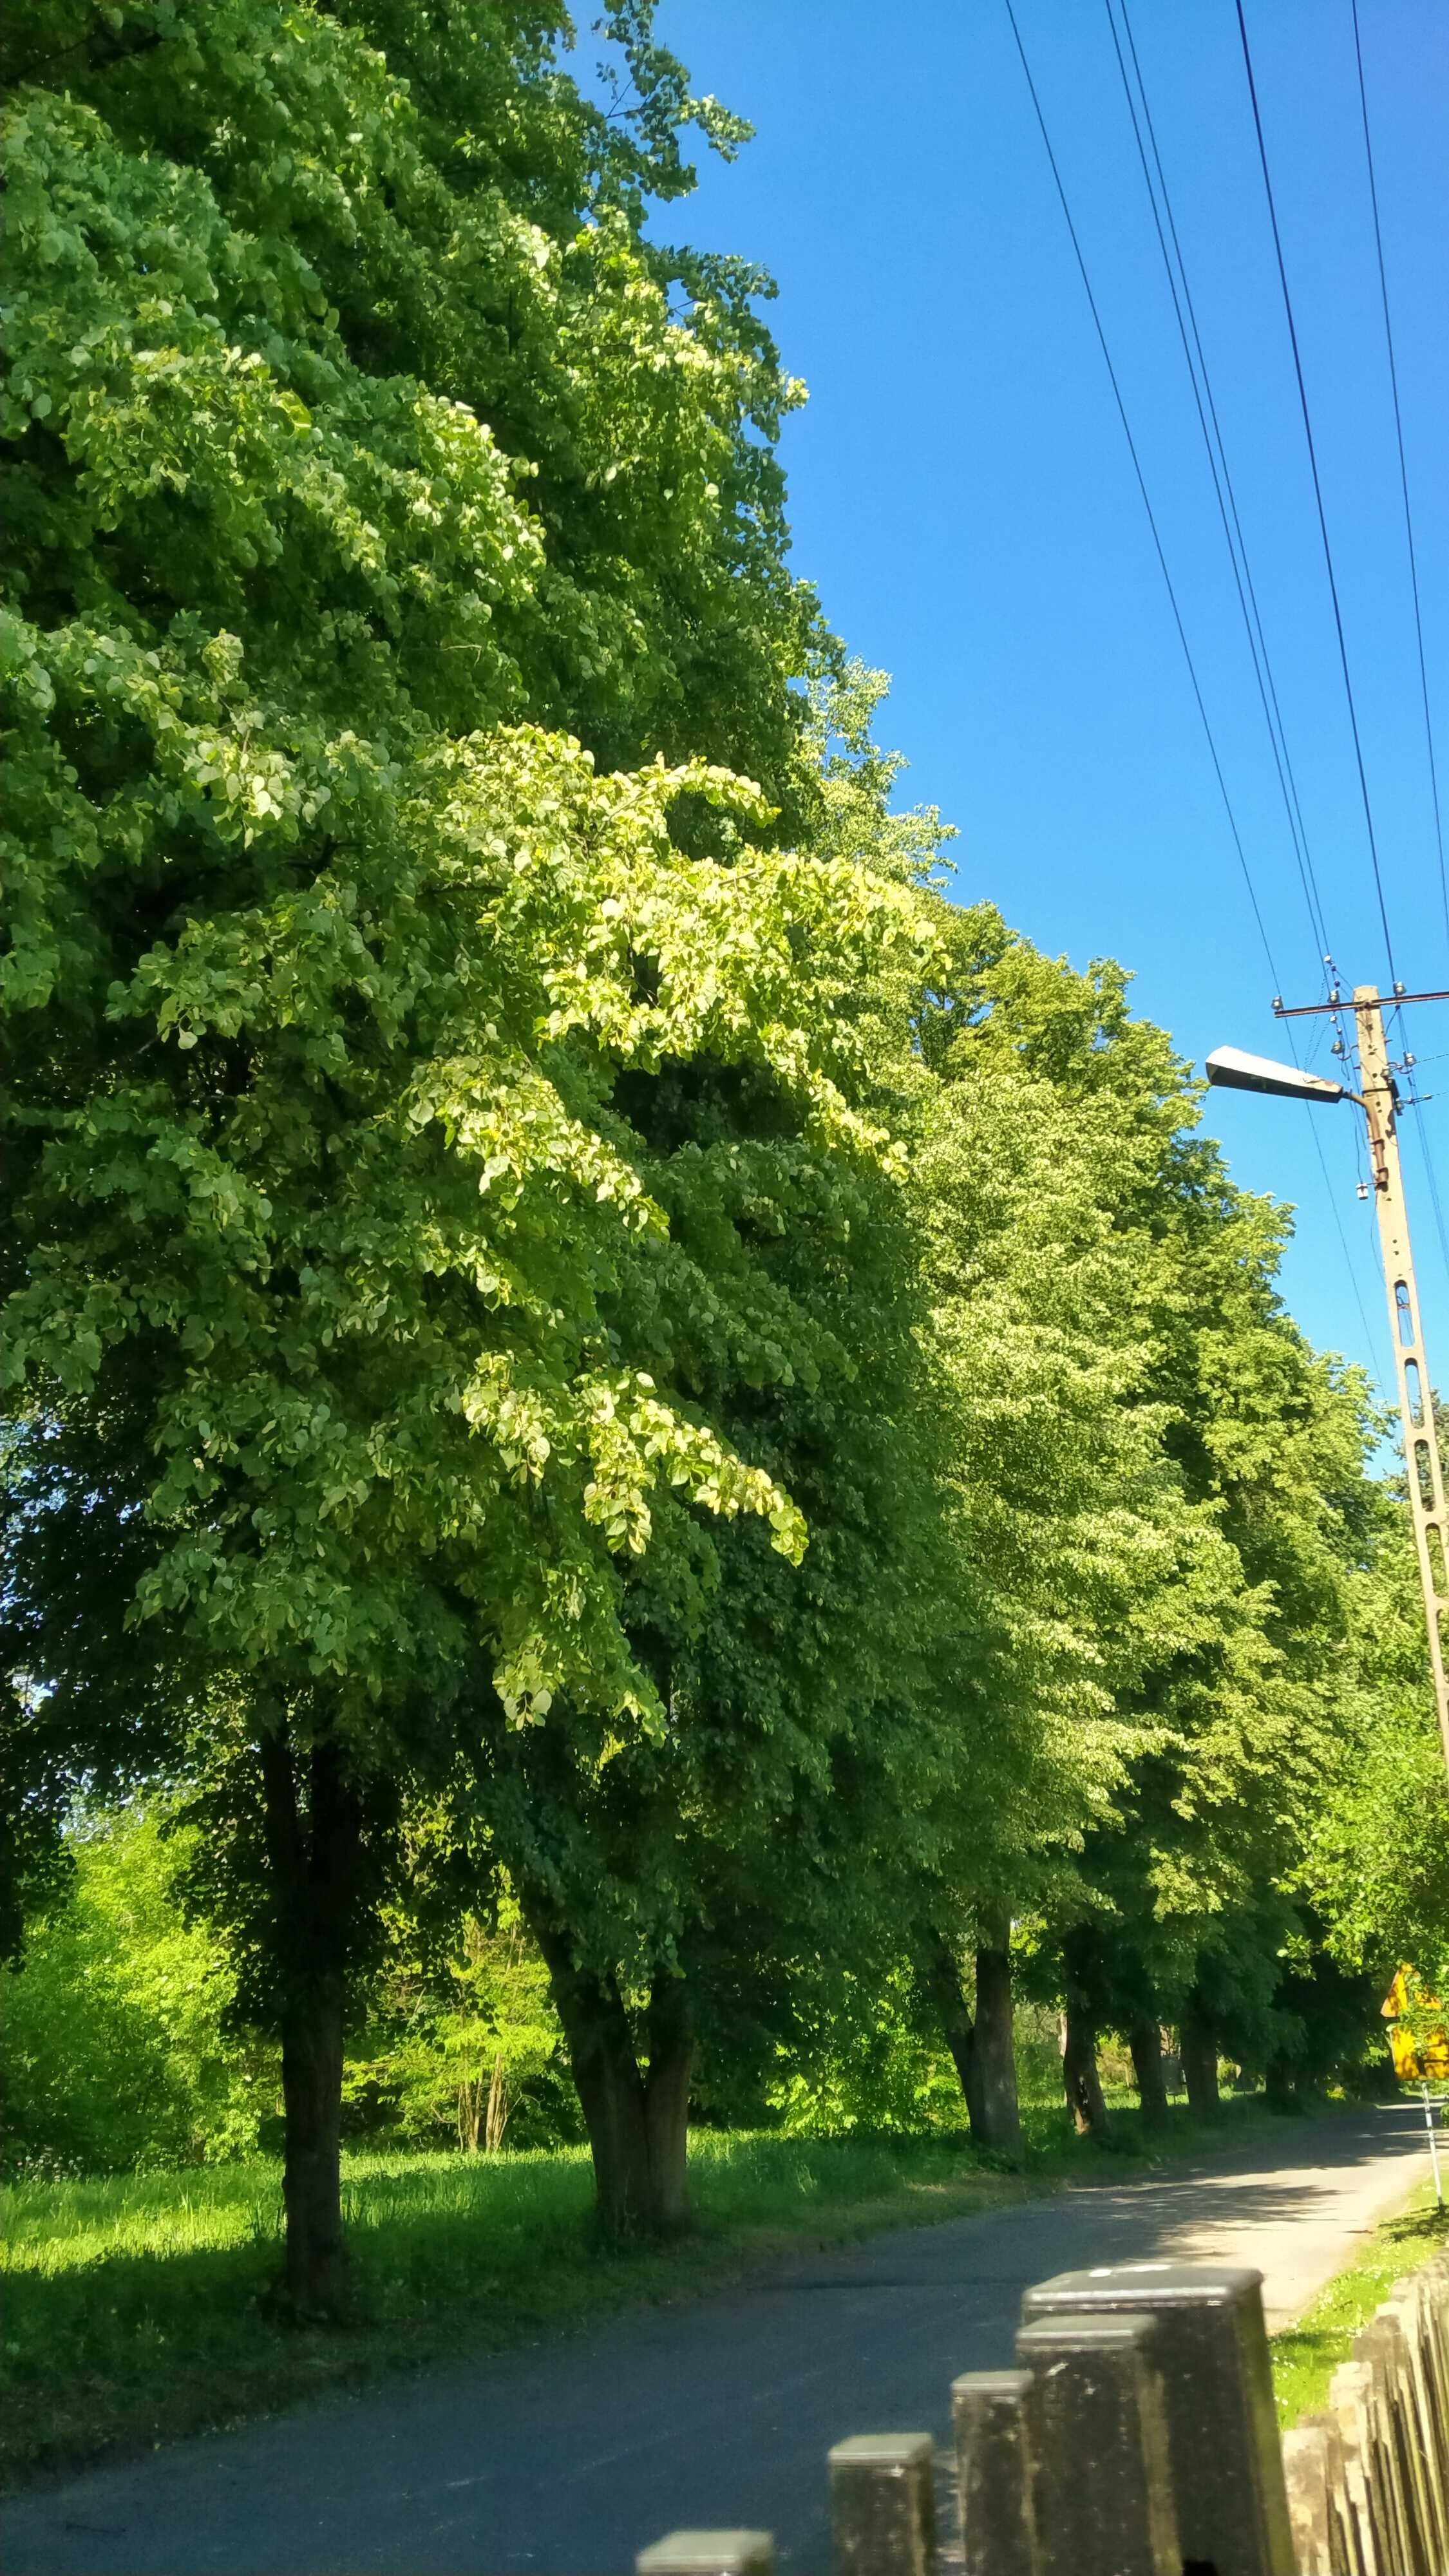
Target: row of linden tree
<point>582,1349</point>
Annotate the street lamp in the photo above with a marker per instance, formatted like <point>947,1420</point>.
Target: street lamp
<point>1234,1070</point>
<point>1230,1068</point>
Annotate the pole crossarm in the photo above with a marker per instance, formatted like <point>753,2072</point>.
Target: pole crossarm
<point>1380,1002</point>
<point>1421,1441</point>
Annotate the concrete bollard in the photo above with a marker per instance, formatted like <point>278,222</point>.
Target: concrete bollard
<point>1350,2401</point>
<point>1325,2533</point>
<point>1406,2314</point>
<point>1437,2281</point>
<point>1104,2488</point>
<point>1380,2345</point>
<point>1307,2475</point>
<point>1138,2438</point>
<point>1433,2290</point>
<point>996,2414</point>
<point>1389,2501</point>
<point>1222,2426</point>
<point>882,2505</point>
<point>1432,2285</point>
<point>709,2553</point>
<point>1346,2540</point>
<point>1434,2310</point>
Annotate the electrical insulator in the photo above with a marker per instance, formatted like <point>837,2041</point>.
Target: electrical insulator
<point>1363,1189</point>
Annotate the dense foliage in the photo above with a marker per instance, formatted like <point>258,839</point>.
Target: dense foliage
<point>634,1444</point>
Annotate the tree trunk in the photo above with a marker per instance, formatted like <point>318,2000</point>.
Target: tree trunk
<point>499,2106</point>
<point>314,1856</point>
<point>666,2105</point>
<point>982,2050</point>
<point>1200,2060</point>
<point>1280,2085</point>
<point>312,2168</point>
<point>995,2113</point>
<point>470,2113</point>
<point>1079,2074</point>
<point>1144,2039</point>
<point>637,2120</point>
<point>611,2094</point>
<point>943,1982</point>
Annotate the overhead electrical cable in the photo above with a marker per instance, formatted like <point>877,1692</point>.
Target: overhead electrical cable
<point>1146,501</point>
<point>1370,1338</point>
<point>1434,1199</point>
<point>1403,464</point>
<point>1122,415</point>
<point>1317,493</point>
<point>1238,557</point>
<point>1421,1125</point>
<point>1182,306</point>
<point>1421,1129</point>
<point>1207,413</point>
<point>1368,147</point>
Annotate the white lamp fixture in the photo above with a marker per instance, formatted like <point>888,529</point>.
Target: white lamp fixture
<point>1234,1070</point>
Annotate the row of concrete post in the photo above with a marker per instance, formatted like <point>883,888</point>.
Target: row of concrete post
<point>1368,2480</point>
<point>1136,2436</point>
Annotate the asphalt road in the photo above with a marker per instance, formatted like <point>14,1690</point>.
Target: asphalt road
<point>566,2457</point>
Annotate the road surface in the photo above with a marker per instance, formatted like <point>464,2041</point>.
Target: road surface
<point>565,2458</point>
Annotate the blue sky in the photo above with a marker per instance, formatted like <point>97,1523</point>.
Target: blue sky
<point>962,495</point>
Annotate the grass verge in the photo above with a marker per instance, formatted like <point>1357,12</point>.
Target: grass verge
<point>136,2308</point>
<point>1307,2355</point>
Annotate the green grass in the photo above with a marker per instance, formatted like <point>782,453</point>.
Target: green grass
<point>136,2309</point>
<point>1306,2357</point>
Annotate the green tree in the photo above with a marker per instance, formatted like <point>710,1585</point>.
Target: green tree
<point>115,2047</point>
<point>1038,1115</point>
<point>717,1878</point>
<point>1185,1916</point>
<point>1155,1488</point>
<point>332,1267</point>
<point>462,2040</point>
<point>1375,1848</point>
<point>1038,1479</point>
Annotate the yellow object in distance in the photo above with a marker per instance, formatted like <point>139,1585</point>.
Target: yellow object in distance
<point>1420,2048</point>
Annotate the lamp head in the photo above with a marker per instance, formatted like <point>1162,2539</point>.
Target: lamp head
<point>1232,1069</point>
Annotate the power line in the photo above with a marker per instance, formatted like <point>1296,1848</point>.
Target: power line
<point>1104,346</point>
<point>1429,1172</point>
<point>1422,1130</point>
<point>1243,579</point>
<point>1349,1272</point>
<point>1317,492</point>
<point>1376,1257</point>
<point>1146,500</point>
<point>1403,466</point>
<point>1218,468</point>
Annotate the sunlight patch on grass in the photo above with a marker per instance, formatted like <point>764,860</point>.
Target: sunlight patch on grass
<point>1306,2356</point>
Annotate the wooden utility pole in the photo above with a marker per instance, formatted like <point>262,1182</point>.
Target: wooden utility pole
<point>1421,1441</point>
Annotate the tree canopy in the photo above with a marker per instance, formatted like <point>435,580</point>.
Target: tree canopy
<point>604,1387</point>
